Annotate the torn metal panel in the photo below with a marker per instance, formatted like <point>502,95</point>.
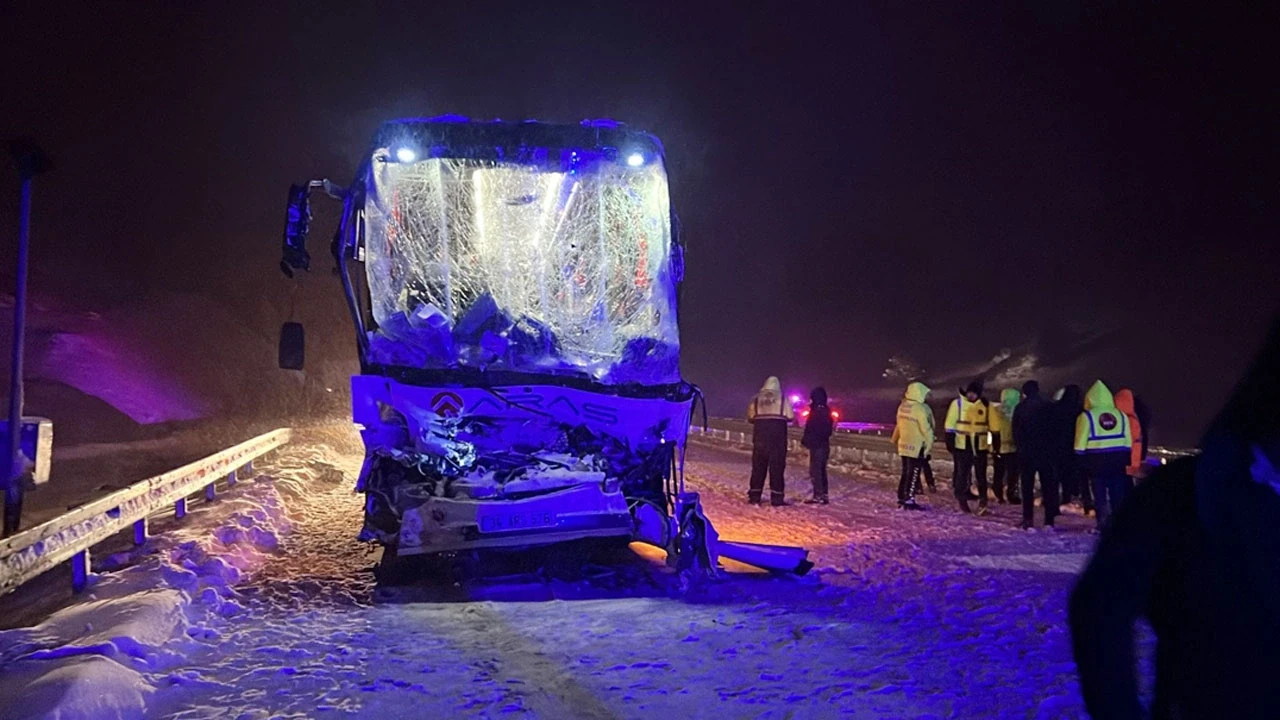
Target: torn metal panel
<point>444,461</point>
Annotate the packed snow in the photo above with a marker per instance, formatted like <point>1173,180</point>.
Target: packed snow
<point>262,604</point>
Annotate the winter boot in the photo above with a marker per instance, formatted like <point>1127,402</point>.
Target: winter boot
<point>816,500</point>
<point>911,504</point>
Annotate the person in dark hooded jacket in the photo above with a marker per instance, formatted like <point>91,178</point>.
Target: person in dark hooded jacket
<point>1194,550</point>
<point>1068,470</point>
<point>1033,431</point>
<point>817,439</point>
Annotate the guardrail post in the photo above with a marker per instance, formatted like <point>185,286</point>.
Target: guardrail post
<point>248,469</point>
<point>80,570</point>
<point>231,479</point>
<point>210,492</point>
<point>70,537</point>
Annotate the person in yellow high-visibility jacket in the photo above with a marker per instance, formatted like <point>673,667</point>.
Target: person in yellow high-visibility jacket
<point>1004,447</point>
<point>968,439</point>
<point>1104,441</point>
<point>913,436</point>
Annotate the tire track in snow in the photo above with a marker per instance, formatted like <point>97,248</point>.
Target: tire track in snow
<point>553,691</point>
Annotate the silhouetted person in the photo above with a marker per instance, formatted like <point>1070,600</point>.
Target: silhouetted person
<point>1034,425</point>
<point>1196,550</point>
<point>769,414</point>
<point>817,439</point>
<point>1067,469</point>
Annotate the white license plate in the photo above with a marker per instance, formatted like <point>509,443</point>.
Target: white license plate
<point>507,521</point>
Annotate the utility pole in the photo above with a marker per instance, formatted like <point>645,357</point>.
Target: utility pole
<point>31,162</point>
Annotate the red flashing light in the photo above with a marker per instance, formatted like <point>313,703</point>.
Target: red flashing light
<point>804,414</point>
<point>835,415</point>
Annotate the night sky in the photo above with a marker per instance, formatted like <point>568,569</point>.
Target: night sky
<point>935,179</point>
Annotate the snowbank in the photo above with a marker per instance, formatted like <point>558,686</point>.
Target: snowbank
<point>110,627</point>
<point>107,656</point>
<point>86,687</point>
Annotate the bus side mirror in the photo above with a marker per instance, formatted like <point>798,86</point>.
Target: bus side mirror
<point>293,346</point>
<point>297,224</point>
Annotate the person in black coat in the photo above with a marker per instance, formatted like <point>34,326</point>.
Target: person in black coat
<point>817,438</point>
<point>1035,434</point>
<point>1194,550</point>
<point>1067,470</point>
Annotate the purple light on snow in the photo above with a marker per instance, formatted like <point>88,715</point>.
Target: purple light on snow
<point>121,376</point>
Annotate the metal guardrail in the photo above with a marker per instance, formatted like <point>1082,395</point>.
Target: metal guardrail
<point>875,453</point>
<point>869,451</point>
<point>70,536</point>
<point>872,436</point>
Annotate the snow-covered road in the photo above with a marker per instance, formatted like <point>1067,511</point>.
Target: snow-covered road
<point>262,605</point>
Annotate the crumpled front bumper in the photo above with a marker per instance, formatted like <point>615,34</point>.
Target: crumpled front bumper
<point>582,511</point>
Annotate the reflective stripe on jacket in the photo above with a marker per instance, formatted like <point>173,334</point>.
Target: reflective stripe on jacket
<point>770,404</point>
<point>968,420</point>
<point>1102,427</point>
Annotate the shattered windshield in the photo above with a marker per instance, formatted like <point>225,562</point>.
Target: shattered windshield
<point>554,268</point>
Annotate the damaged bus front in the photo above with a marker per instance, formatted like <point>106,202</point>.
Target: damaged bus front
<point>516,320</point>
<point>516,323</point>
